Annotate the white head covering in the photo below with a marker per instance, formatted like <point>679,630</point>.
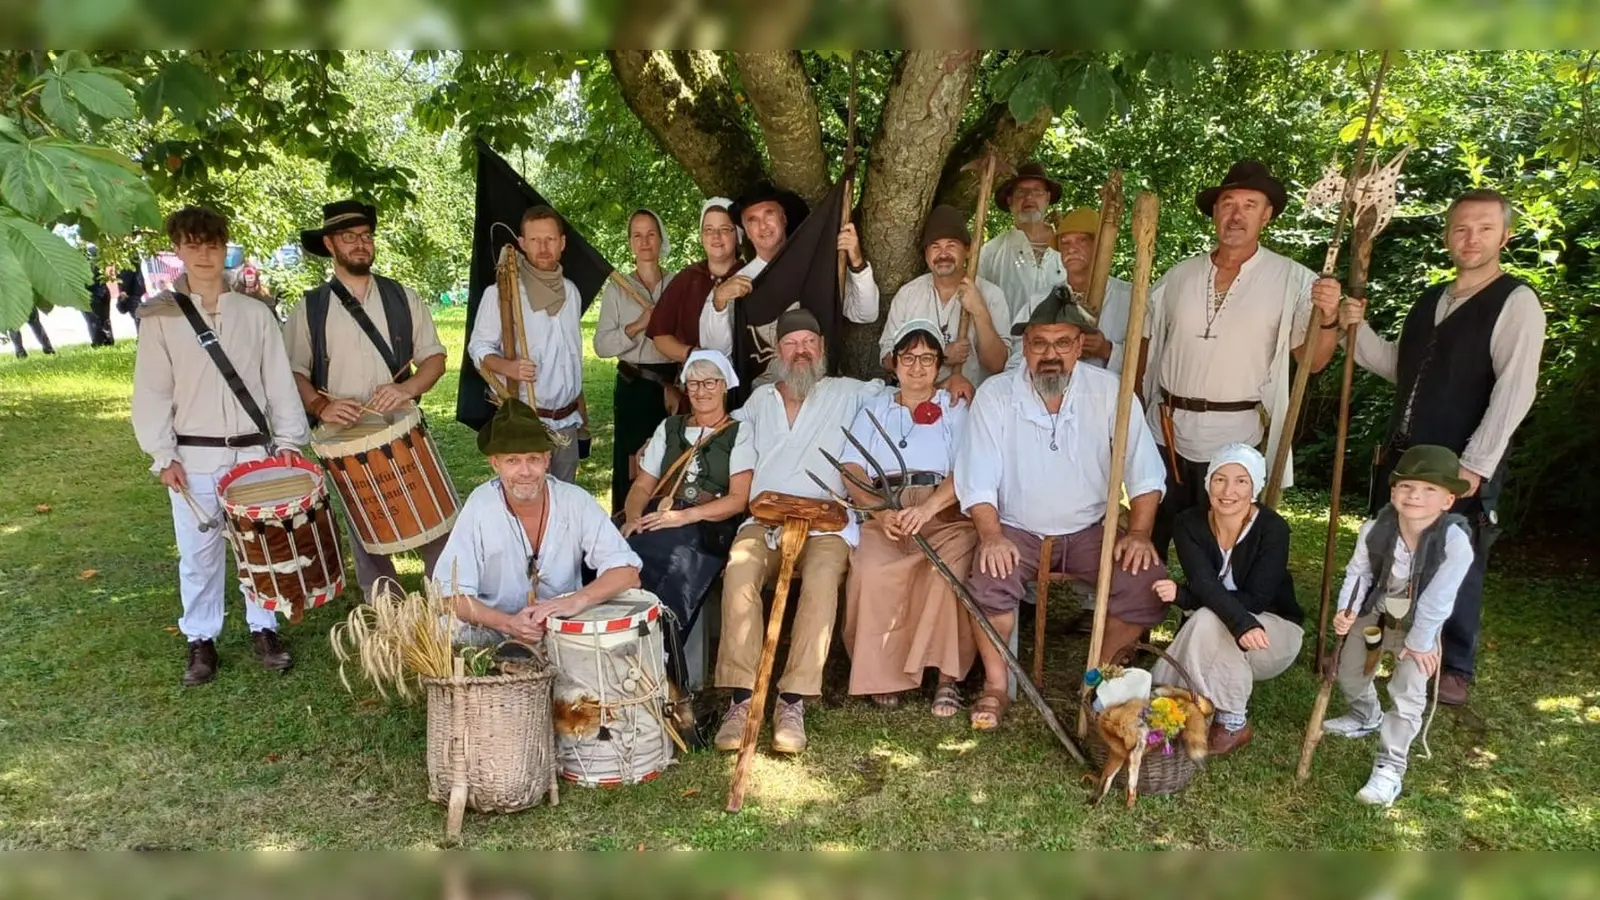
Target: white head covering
<point>726,205</point>
<point>1244,455</point>
<point>716,358</point>
<point>919,325</point>
<point>661,229</point>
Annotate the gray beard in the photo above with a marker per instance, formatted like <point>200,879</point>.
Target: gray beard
<point>1028,218</point>
<point>1052,385</point>
<point>800,379</point>
<point>524,493</point>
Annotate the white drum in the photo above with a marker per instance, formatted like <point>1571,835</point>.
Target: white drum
<point>610,710</point>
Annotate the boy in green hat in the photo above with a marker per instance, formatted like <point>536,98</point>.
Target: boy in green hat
<point>1399,588</point>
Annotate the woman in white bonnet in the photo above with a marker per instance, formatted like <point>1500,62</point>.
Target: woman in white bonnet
<point>1243,624</point>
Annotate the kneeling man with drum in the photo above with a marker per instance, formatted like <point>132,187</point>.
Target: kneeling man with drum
<point>516,554</point>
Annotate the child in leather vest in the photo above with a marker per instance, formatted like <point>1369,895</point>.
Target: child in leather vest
<point>1399,588</point>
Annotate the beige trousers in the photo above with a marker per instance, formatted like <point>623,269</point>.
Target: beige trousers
<point>751,566</point>
<point>1223,671</point>
<point>1408,688</point>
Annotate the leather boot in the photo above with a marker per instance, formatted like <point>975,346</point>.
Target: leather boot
<point>202,663</point>
<point>1452,689</point>
<point>270,651</point>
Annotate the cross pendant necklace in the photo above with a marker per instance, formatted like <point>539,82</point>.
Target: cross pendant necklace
<point>1214,302</point>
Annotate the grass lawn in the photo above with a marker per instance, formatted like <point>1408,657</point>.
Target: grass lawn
<point>101,748</point>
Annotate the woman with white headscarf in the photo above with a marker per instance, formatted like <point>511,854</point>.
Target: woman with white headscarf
<point>644,388</point>
<point>1243,624</point>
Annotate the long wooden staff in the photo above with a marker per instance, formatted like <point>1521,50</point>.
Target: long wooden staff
<point>1302,376</point>
<point>849,175</point>
<point>1105,243</point>
<point>1319,709</point>
<point>627,287</point>
<point>986,182</point>
<point>1146,213</point>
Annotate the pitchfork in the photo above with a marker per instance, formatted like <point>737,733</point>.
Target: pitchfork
<point>889,498</point>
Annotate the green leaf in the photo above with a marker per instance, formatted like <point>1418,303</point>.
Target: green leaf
<point>57,271</point>
<point>57,103</point>
<point>21,186</point>
<point>1008,79</point>
<point>101,94</point>
<point>1094,98</point>
<point>61,168</point>
<point>16,294</point>
<point>185,89</point>
<point>10,129</point>
<point>1034,91</point>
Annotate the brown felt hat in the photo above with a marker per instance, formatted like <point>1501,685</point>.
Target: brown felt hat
<point>945,222</point>
<point>1247,175</point>
<point>1027,171</point>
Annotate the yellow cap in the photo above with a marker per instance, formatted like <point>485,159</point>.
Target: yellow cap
<point>1081,220</point>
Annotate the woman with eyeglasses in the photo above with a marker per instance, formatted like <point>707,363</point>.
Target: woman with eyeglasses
<point>689,498</point>
<point>901,617</point>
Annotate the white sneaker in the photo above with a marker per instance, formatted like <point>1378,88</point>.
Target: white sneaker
<point>1349,726</point>
<point>1382,788</point>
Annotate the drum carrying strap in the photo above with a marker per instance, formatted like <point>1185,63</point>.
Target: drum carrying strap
<point>399,369</point>
<point>213,346</point>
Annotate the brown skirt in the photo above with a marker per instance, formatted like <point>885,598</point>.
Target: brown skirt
<point>900,615</point>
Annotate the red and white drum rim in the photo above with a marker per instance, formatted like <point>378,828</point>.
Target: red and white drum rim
<point>609,782</point>
<point>607,626</point>
<point>282,510</point>
<point>319,597</point>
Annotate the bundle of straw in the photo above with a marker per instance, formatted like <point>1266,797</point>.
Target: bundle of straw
<point>398,638</point>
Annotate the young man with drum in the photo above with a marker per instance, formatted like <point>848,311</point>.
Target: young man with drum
<point>208,361</point>
<point>516,554</point>
<point>360,340</point>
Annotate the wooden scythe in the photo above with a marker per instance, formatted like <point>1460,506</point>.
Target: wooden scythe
<point>1105,243</point>
<point>989,163</point>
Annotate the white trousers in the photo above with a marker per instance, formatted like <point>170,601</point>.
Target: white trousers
<point>203,561</point>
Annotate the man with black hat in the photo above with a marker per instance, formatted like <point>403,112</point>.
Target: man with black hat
<point>1034,465</point>
<point>516,555</point>
<point>1024,261</point>
<point>1467,367</point>
<point>360,340</point>
<point>943,294</point>
<point>1222,327</point>
<point>791,422</point>
<point>769,215</point>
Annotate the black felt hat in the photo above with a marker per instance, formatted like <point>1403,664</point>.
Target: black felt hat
<point>1056,309</point>
<point>1249,175</point>
<point>339,215</point>
<point>795,209</point>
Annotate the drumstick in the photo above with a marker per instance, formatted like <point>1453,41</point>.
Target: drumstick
<point>206,523</point>
<point>364,408</point>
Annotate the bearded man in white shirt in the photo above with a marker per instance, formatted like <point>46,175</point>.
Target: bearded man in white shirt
<point>1024,261</point>
<point>1036,464</point>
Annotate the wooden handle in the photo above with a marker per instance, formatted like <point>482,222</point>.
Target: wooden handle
<point>1308,745</point>
<point>1105,243</point>
<point>978,220</point>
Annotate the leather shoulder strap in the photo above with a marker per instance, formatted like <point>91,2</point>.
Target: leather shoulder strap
<point>365,323</point>
<point>213,347</point>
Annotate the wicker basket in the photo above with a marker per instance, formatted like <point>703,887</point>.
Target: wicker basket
<point>1160,773</point>
<point>507,742</point>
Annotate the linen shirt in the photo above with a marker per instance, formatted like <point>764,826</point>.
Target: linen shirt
<point>1007,461</point>
<point>1008,261</point>
<point>177,389</point>
<point>784,453</point>
<point>1435,603</point>
<point>929,448</point>
<point>355,368</point>
<point>1515,347</point>
<point>486,556</point>
<point>1265,316</point>
<point>618,309</point>
<point>919,299</point>
<point>716,328</point>
<point>555,344</point>
<point>654,458</point>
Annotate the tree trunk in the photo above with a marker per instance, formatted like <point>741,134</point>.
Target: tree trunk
<point>921,117</point>
<point>996,128</point>
<point>684,99</point>
<point>785,108</point>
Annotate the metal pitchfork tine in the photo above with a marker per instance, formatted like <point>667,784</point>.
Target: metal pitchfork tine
<point>889,498</point>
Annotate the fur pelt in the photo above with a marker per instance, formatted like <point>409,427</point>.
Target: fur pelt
<point>1126,736</point>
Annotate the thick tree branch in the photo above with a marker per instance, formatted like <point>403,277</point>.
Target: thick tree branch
<point>685,101</point>
<point>780,93</point>
<point>1014,143</point>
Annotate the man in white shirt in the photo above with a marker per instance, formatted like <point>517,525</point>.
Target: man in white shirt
<point>195,427</point>
<point>515,556</point>
<point>1466,365</point>
<point>769,216</point>
<point>1037,463</point>
<point>791,422</point>
<point>547,371</point>
<point>1077,233</point>
<point>1223,326</point>
<point>942,295</point>
<point>1024,261</point>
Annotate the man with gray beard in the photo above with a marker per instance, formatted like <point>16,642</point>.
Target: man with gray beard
<point>1024,261</point>
<point>516,555</point>
<point>1036,464</point>
<point>791,422</point>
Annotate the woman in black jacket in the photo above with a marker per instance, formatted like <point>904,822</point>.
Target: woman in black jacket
<point>1243,622</point>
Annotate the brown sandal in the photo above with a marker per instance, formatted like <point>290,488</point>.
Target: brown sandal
<point>991,704</point>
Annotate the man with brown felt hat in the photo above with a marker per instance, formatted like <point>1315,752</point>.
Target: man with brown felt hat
<point>360,340</point>
<point>942,294</point>
<point>1223,326</point>
<point>516,555</point>
<point>1024,261</point>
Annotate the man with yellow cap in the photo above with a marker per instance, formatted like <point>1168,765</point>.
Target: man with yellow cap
<point>516,554</point>
<point>1076,235</point>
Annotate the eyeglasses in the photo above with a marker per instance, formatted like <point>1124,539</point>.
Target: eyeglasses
<point>919,360</point>
<point>1030,192</point>
<point>724,231</point>
<point>352,238</point>
<point>695,385</point>
<point>1062,346</point>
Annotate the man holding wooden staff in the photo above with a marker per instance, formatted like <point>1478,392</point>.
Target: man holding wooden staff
<point>547,372</point>
<point>1036,468</point>
<point>1076,236</point>
<point>1223,326</point>
<point>1466,366</point>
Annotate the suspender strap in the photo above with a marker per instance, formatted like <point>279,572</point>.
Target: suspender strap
<point>364,321</point>
<point>210,343</point>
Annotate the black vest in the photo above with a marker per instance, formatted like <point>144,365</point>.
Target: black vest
<point>1445,373</point>
<point>396,313</point>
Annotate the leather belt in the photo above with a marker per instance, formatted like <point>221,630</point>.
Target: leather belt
<point>631,372</point>
<point>561,413</point>
<point>256,439</point>
<point>1190,404</point>
<point>916,479</point>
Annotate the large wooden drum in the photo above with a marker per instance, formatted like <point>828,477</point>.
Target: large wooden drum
<point>285,541</point>
<point>391,478</point>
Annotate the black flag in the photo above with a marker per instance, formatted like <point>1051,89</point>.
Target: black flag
<point>805,273</point>
<point>503,196</point>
